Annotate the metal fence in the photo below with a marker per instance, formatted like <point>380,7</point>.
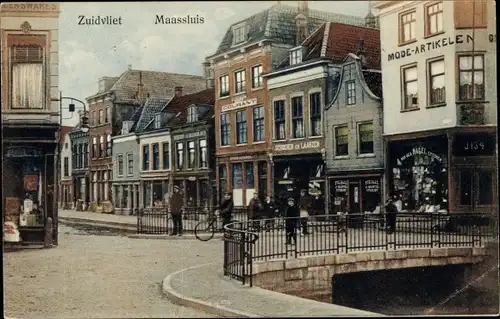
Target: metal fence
<point>158,221</point>
<point>248,241</point>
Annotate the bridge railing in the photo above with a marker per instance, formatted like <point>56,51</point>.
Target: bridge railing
<point>266,239</point>
<point>158,220</point>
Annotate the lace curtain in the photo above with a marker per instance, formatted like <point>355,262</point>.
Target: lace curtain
<point>27,85</point>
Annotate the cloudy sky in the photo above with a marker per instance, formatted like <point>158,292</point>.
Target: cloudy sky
<point>90,52</point>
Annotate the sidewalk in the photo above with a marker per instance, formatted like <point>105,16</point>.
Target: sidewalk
<point>204,288</point>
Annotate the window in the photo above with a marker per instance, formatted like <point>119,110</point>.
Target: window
<point>192,114</point>
<point>85,155</point>
<point>108,145</point>
<point>74,156</point>
<point>469,14</point>
<point>93,120</point>
<point>191,154</point>
<point>224,85</point>
<point>258,123</point>
<point>101,116</point>
<point>166,155</point>
<point>239,81</point>
<point>157,123</point>
<point>296,56</point>
<point>434,19</point>
<point>257,76</point>
<point>180,155</point>
<point>279,120</point>
<point>437,92</point>
<point>239,34</point>
<point>262,172</point>
<point>101,146</point>
<point>145,157</point>
<point>241,127</point>
<point>203,154</point>
<point>130,164</point>
<point>315,113</point>
<point>66,166</point>
<point>222,178</point>
<point>407,25</point>
<point>156,156</point>
<point>237,175</point>
<point>94,147</point>
<point>28,83</point>
<point>365,138</point>
<point>297,117</point>
<point>120,164</point>
<point>410,88</point>
<point>471,78</point>
<point>81,155</point>
<point>249,175</point>
<point>350,92</point>
<point>485,187</point>
<point>107,119</point>
<point>224,129</point>
<point>341,141</point>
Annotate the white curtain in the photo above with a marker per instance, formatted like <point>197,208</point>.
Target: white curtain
<point>27,85</point>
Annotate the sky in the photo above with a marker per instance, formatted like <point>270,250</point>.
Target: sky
<point>88,52</point>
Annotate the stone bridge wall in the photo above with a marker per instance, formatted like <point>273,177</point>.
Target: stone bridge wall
<point>312,275</point>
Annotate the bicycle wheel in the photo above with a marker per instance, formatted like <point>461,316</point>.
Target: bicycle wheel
<point>204,230</point>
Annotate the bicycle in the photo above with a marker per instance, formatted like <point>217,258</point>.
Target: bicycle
<point>205,229</point>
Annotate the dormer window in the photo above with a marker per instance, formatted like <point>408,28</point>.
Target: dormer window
<point>192,114</point>
<point>238,34</point>
<point>296,56</point>
<point>157,120</point>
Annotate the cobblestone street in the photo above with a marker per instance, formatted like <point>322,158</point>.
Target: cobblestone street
<point>96,276</point>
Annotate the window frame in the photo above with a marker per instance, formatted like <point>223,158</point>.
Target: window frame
<point>233,175</point>
<point>358,137</point>
<point>239,35</point>
<point>258,123</point>
<point>224,89</point>
<point>85,155</point>
<point>191,154</point>
<point>101,117</point>
<point>430,80</point>
<point>109,146</point>
<point>146,165</point>
<point>473,70</point>
<point>102,147</point>
<point>179,155</point>
<point>401,26</point>
<point>438,14</point>
<point>248,170</point>
<point>335,138</point>
<point>315,115</point>
<point>107,115</point>
<point>165,156</point>
<point>155,150</point>
<point>157,121</point>
<point>404,87</point>
<point>130,168</point>
<point>350,99</point>
<point>225,129</point>
<point>296,56</point>
<point>203,149</point>
<point>294,117</point>
<point>95,148</point>
<point>66,166</point>
<point>119,160</point>
<point>222,173</point>
<point>241,127</point>
<point>240,86</point>
<point>257,79</point>
<point>279,121</point>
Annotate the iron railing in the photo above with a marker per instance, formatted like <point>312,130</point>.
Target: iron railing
<point>158,221</point>
<point>263,240</point>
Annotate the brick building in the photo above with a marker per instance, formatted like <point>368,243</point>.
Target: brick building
<point>249,49</point>
<point>116,101</point>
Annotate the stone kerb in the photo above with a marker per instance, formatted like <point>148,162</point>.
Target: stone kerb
<point>310,275</point>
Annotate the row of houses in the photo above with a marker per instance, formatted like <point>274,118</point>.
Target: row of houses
<point>296,98</point>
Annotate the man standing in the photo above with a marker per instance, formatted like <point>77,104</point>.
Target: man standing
<point>176,204</point>
<point>391,210</point>
<point>226,209</point>
<point>254,211</point>
<point>304,208</point>
<point>270,212</point>
<point>291,216</point>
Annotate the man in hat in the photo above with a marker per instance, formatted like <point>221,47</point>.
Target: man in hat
<point>304,208</point>
<point>176,204</point>
<point>255,208</point>
<point>226,209</point>
<point>291,218</point>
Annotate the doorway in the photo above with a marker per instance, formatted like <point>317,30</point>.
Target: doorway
<point>354,205</point>
<point>475,189</point>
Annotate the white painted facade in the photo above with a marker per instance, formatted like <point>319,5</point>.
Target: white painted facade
<point>430,118</point>
<point>66,155</point>
<point>305,75</point>
<point>42,20</point>
<point>149,140</point>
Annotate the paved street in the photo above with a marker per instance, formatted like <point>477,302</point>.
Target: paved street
<point>90,276</point>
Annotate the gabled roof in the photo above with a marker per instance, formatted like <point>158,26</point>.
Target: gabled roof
<point>64,130</point>
<point>278,25</point>
<point>335,40</point>
<point>150,108</point>
<point>155,85</point>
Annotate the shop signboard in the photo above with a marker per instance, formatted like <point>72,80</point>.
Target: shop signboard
<point>372,186</point>
<point>313,146</point>
<point>478,144</point>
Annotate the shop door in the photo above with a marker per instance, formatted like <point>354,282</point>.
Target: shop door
<point>354,204</point>
<point>475,189</point>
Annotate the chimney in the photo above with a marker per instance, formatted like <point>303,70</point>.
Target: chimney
<point>178,91</point>
<point>208,74</point>
<point>361,53</point>
<point>130,67</point>
<point>140,89</point>
<point>302,29</point>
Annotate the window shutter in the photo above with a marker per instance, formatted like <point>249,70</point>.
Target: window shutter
<point>27,54</point>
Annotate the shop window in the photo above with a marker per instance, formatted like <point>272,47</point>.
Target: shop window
<point>297,117</point>
<point>203,154</point>
<point>315,113</point>
<point>341,141</point>
<point>437,92</point>
<point>28,83</point>
<point>471,78</point>
<point>350,92</point>
<point>466,188</point>
<point>258,123</point>
<point>166,155</point>
<point>371,195</point>
<point>249,175</point>
<point>125,198</point>
<point>224,129</point>
<point>410,87</point>
<point>279,120</point>
<point>262,173</point>
<point>485,187</point>
<point>223,178</point>
<point>191,154</point>
<point>365,138</point>
<point>157,194</point>
<point>237,172</point>
<point>239,81</point>
<point>180,155</point>
<point>156,156</point>
<point>241,127</point>
<point>145,157</point>
<point>147,195</point>
<point>120,164</point>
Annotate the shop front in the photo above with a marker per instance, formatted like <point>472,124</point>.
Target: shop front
<point>154,192</point>
<point>418,172</point>
<point>81,193</point>
<point>198,189</point>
